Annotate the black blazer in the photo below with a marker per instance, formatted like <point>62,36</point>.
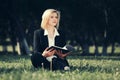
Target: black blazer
<point>40,41</point>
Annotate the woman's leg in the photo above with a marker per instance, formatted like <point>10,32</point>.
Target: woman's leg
<point>38,61</point>
<point>59,64</point>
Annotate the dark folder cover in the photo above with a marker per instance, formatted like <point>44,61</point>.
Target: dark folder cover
<point>59,48</point>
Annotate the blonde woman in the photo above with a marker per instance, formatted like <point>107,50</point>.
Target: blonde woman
<point>49,35</point>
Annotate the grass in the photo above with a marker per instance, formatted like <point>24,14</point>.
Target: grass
<point>14,67</point>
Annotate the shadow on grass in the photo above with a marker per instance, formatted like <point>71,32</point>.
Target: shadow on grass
<point>86,68</point>
<point>95,57</point>
<point>13,58</point>
<point>4,70</point>
<point>92,69</point>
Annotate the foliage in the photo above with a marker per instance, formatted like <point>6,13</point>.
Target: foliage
<point>13,67</point>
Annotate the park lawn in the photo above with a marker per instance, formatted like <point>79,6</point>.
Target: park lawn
<point>16,67</point>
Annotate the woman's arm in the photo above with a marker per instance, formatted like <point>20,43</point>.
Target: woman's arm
<point>36,41</point>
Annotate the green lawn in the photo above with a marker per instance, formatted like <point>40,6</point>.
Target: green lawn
<point>14,67</point>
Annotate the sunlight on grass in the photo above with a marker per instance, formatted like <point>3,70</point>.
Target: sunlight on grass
<point>109,49</point>
<point>91,49</point>
<point>100,49</point>
<point>1,48</point>
<point>9,48</point>
<point>117,49</point>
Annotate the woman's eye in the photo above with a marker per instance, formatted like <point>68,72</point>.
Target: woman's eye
<point>51,16</point>
<point>54,17</point>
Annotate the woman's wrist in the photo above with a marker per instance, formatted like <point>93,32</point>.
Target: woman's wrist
<point>43,54</point>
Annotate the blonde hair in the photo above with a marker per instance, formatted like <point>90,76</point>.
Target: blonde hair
<point>46,16</point>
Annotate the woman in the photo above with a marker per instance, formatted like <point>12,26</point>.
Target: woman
<point>48,36</point>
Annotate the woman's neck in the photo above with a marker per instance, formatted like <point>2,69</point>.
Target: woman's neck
<point>51,31</point>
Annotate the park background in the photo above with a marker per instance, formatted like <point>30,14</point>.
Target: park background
<point>89,24</point>
<point>92,27</point>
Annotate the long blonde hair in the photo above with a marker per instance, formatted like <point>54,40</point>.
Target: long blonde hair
<point>46,16</point>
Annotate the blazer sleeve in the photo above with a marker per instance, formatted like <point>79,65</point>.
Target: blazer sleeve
<point>36,41</point>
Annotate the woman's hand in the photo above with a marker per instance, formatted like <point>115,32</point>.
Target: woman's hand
<point>60,54</point>
<point>47,53</point>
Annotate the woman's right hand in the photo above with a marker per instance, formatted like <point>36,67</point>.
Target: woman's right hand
<point>61,55</point>
<point>48,53</point>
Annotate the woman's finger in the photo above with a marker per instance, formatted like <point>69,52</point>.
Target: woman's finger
<point>46,49</point>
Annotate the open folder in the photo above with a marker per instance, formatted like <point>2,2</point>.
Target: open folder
<point>64,49</point>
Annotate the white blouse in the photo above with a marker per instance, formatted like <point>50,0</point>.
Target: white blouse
<point>51,42</point>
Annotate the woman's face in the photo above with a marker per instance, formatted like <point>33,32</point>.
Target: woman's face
<point>53,19</point>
